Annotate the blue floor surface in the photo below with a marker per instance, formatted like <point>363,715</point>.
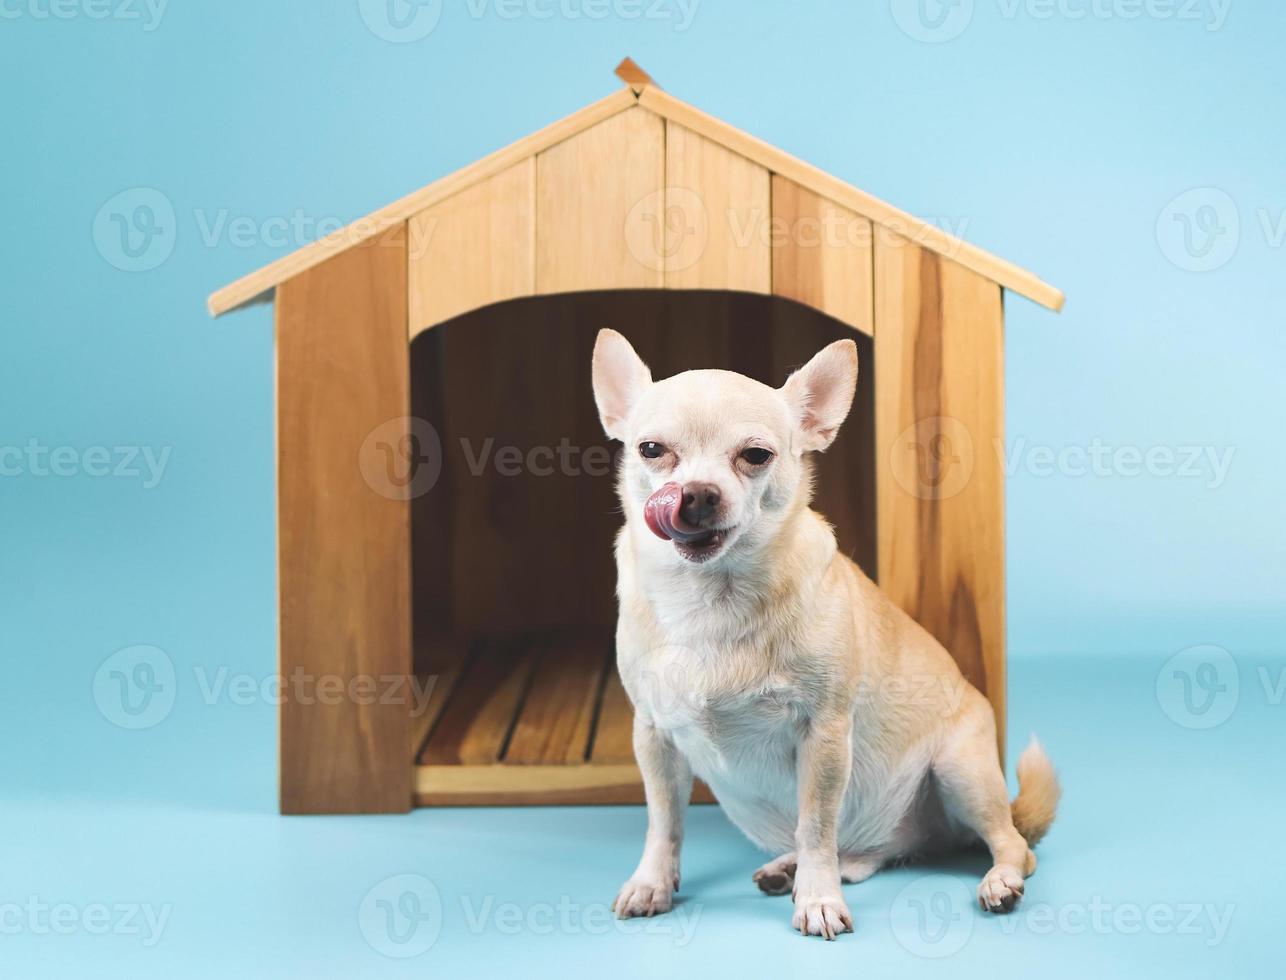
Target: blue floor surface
<point>158,854</point>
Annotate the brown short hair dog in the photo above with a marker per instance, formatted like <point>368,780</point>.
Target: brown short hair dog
<point>760,658</point>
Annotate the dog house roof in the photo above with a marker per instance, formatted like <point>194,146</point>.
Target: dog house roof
<point>640,90</point>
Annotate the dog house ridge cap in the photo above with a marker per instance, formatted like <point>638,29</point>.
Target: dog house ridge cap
<point>640,90</point>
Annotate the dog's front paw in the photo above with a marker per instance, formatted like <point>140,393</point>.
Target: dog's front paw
<point>821,912</point>
<point>1000,889</point>
<point>641,897</point>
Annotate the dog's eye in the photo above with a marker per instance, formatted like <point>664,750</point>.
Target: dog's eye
<point>756,456</point>
<point>651,450</point>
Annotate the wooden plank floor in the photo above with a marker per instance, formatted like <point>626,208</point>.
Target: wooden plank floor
<point>530,719</point>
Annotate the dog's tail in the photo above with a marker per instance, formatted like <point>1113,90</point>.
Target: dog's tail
<point>1038,792</point>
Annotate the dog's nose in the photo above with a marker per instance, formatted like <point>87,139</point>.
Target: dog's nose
<point>700,500</point>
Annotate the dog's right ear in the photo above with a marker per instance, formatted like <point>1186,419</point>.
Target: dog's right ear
<point>620,377</point>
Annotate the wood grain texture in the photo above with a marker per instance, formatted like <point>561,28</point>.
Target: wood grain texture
<point>476,723</point>
<point>880,212</point>
<point>557,715</point>
<point>591,190</point>
<point>476,247</point>
<point>939,419</point>
<point>523,724</point>
<point>614,732</point>
<point>505,785</point>
<point>344,548</point>
<point>438,665</point>
<point>715,230</point>
<point>251,287</point>
<point>822,255</point>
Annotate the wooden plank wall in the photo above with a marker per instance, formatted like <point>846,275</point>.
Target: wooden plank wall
<point>939,415</point>
<point>474,248</point>
<point>344,546</point>
<point>822,255</point>
<point>717,214</point>
<point>636,202</point>
<point>586,189</point>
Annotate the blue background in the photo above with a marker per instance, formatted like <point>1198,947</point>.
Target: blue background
<point>1061,142</point>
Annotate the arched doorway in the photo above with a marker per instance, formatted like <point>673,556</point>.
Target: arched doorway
<point>513,575</point>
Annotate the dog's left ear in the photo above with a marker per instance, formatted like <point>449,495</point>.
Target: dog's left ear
<point>821,393</point>
<point>620,376</point>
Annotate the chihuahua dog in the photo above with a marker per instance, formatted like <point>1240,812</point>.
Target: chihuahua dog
<point>832,728</point>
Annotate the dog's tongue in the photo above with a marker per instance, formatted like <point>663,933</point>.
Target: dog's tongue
<point>661,512</point>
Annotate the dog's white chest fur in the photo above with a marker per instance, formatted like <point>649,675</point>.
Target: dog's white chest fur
<point>716,705</point>
<point>735,721</point>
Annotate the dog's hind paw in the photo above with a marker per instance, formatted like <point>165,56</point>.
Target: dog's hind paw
<point>777,877</point>
<point>642,898</point>
<point>1001,889</point>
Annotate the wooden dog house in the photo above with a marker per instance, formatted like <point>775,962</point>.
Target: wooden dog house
<point>421,344</point>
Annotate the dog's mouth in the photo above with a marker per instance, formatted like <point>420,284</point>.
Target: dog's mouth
<point>702,548</point>
<point>662,515</point>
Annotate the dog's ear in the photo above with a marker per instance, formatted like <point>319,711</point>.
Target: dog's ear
<point>620,377</point>
<point>821,393</point>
